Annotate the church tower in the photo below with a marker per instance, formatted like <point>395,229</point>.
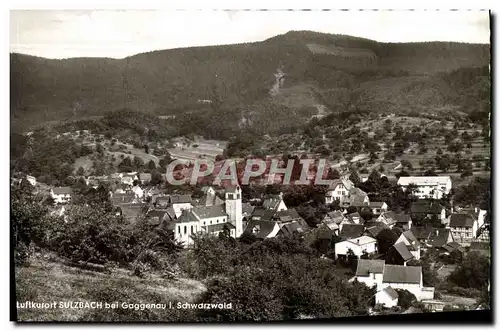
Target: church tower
<point>234,208</point>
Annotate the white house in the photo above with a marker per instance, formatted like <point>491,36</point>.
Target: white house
<point>179,202</point>
<point>139,193</point>
<point>398,277</point>
<point>428,187</point>
<point>377,207</point>
<point>411,242</point>
<point>338,190</point>
<point>61,194</point>
<point>387,297</point>
<point>369,272</point>
<point>359,246</point>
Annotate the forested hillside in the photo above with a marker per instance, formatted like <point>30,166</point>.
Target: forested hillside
<point>317,70</point>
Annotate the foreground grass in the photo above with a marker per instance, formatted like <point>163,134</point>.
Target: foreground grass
<point>49,281</point>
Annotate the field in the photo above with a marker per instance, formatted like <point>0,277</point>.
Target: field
<point>46,280</point>
<point>197,149</point>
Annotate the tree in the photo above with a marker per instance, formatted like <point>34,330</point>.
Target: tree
<point>366,214</point>
<point>151,165</point>
<point>80,171</point>
<point>138,162</point>
<point>385,240</point>
<point>473,272</point>
<point>146,149</point>
<point>430,172</point>
<point>405,298</point>
<point>332,174</point>
<point>354,177</point>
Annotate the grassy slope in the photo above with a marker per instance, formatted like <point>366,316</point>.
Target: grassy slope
<point>48,281</point>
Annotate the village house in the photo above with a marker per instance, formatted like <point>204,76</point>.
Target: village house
<point>274,202</point>
<point>428,210</point>
<point>372,229</point>
<point>333,220</point>
<point>269,223</point>
<point>61,194</point>
<point>411,243</point>
<point>387,297</point>
<point>477,213</point>
<point>463,227</point>
<point>338,190</point>
<point>399,254</point>
<point>179,202</point>
<point>399,277</point>
<point>432,237</point>
<point>392,219</point>
<point>484,233</point>
<point>427,187</point>
<point>369,272</point>
<point>359,246</point>
<point>377,207</point>
<point>145,178</point>
<point>355,197</point>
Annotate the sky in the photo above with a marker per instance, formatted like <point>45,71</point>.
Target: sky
<point>118,34</point>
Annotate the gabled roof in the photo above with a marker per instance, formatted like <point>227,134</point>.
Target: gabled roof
<point>62,190</point>
<point>350,231</point>
<point>376,204</point>
<point>297,226</point>
<point>180,198</point>
<point>334,217</point>
<point>461,220</point>
<point>375,229</point>
<point>403,251</point>
<point>160,213</point>
<point>247,209</point>
<point>209,211</point>
<point>272,202</point>
<point>287,215</point>
<point>264,228</point>
<point>321,232</point>
<point>262,214</point>
<point>402,274</point>
<point>393,217</point>
<point>336,182</point>
<point>452,246</point>
<point>186,216</point>
<point>412,239</point>
<point>365,267</point>
<point>391,292</point>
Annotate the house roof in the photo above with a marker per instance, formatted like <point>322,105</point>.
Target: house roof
<point>393,217</point>
<point>334,217</point>
<point>297,226</point>
<point>272,202</point>
<point>287,215</point>
<point>411,238</point>
<point>186,217</point>
<point>423,180</point>
<point>402,274</point>
<point>62,190</point>
<point>336,182</point>
<point>160,213</point>
<point>264,228</point>
<point>375,229</point>
<point>452,246</point>
<point>391,292</point>
<point>461,220</point>
<point>262,214</point>
<point>376,204</point>
<point>247,209</point>
<point>475,245</point>
<point>180,198</point>
<point>351,231</point>
<point>438,237</point>
<point>209,211</point>
<point>362,240</point>
<point>162,199</point>
<point>365,267</point>
<point>403,251</point>
<point>354,215</point>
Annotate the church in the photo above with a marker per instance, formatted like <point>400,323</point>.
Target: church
<point>211,215</point>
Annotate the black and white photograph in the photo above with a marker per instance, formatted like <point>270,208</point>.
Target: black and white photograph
<point>242,166</point>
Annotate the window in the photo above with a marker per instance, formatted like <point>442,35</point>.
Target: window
<point>204,223</point>
<point>192,229</point>
<point>217,221</point>
<point>179,229</point>
<point>210,222</point>
<point>229,196</point>
<point>237,196</point>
